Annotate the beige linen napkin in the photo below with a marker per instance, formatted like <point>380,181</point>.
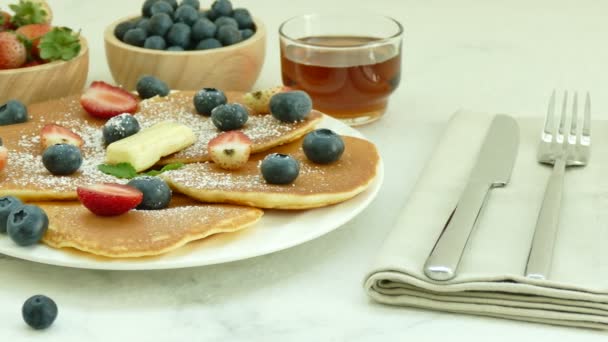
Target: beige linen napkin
<point>490,278</point>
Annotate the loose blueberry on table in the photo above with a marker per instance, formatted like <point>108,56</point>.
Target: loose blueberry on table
<point>167,25</point>
<point>39,312</point>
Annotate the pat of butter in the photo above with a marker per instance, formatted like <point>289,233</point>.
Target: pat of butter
<point>145,148</point>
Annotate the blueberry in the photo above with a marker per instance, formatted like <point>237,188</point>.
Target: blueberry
<point>155,43</point>
<point>122,28</point>
<point>136,37</point>
<point>157,194</point>
<point>179,34</point>
<point>175,48</point>
<point>203,29</point>
<point>221,21</point>
<point>212,15</point>
<point>290,106</point>
<point>150,86</point>
<point>229,117</point>
<point>280,169</point>
<point>147,6</point>
<point>161,7</point>
<point>39,312</point>
<point>243,18</point>
<point>159,24</point>
<point>210,43</point>
<point>7,204</point>
<point>222,7</point>
<point>12,112</point>
<point>173,3</point>
<point>120,127</point>
<point>323,146</point>
<point>207,99</point>
<point>62,159</point>
<point>186,14</point>
<point>144,24</point>
<point>26,224</point>
<point>246,33</point>
<point>228,35</point>
<point>194,3</point>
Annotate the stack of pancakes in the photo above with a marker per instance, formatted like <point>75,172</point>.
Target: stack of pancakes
<point>207,199</point>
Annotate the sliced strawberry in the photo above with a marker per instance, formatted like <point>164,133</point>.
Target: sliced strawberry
<point>3,157</point>
<point>105,101</point>
<point>13,53</point>
<point>259,101</point>
<point>109,199</point>
<point>52,134</point>
<point>34,32</point>
<point>230,150</point>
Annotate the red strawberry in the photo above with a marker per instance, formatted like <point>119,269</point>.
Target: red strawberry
<point>109,199</point>
<point>52,134</point>
<point>5,21</point>
<point>230,150</point>
<point>12,51</point>
<point>105,101</point>
<point>3,157</point>
<point>259,101</point>
<point>32,63</point>
<point>34,32</point>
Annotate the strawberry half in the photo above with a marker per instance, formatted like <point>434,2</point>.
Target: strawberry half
<point>230,150</point>
<point>259,101</point>
<point>13,53</point>
<point>52,134</point>
<point>34,32</point>
<point>109,199</point>
<point>105,101</point>
<point>3,156</point>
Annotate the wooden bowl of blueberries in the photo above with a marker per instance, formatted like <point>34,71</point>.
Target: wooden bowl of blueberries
<point>187,47</point>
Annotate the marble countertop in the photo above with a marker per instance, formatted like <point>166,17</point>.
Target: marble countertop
<point>493,56</point>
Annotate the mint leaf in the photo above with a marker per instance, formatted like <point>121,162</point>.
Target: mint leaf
<point>168,167</point>
<point>121,170</point>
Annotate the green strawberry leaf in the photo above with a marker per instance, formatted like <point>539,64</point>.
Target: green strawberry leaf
<point>168,167</point>
<point>121,170</point>
<point>1,20</point>
<point>27,12</point>
<point>61,43</point>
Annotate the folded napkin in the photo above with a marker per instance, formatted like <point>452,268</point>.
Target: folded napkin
<point>490,277</point>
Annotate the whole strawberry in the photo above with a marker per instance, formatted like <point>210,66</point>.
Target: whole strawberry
<point>5,21</point>
<point>34,33</point>
<point>13,53</point>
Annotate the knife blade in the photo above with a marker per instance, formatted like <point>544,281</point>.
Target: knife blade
<point>492,169</point>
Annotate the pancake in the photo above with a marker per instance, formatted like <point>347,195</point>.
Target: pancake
<point>26,177</point>
<point>141,233</point>
<point>316,186</point>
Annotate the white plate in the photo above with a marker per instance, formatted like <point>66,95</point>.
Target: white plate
<point>277,230</point>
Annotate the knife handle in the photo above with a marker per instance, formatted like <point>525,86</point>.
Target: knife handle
<point>541,251</point>
<point>445,257</point>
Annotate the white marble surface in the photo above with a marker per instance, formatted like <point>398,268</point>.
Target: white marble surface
<point>497,56</point>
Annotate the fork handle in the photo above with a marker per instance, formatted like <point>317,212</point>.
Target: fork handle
<point>541,252</point>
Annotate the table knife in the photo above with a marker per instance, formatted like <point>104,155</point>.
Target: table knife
<point>492,169</point>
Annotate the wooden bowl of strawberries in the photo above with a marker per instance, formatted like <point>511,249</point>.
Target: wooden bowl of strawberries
<point>39,61</point>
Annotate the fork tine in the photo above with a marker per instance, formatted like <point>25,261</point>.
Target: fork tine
<point>587,117</point>
<point>572,137</point>
<point>550,118</point>
<point>562,121</point>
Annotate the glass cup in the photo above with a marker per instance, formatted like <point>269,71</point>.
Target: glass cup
<point>348,63</point>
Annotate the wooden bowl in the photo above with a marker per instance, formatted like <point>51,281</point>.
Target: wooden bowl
<point>47,81</point>
<point>234,67</point>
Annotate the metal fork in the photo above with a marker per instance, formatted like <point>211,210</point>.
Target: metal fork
<point>560,147</point>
